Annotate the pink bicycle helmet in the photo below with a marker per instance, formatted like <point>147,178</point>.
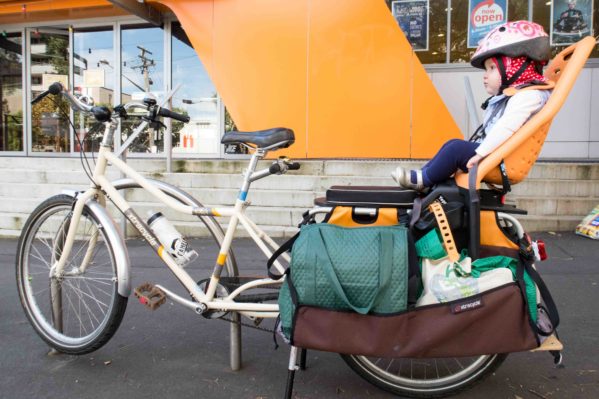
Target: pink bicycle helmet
<point>513,39</point>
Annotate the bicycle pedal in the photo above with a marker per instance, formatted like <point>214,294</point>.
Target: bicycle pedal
<point>149,295</point>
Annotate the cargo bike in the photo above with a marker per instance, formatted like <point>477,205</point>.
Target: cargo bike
<point>73,270</point>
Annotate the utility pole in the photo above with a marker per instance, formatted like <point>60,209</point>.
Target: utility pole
<point>144,67</point>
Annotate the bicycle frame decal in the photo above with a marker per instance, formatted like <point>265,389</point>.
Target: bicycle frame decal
<point>145,231</point>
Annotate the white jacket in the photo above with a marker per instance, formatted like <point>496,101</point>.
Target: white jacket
<point>519,109</point>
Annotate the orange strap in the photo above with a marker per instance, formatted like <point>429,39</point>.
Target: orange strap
<point>448,242</point>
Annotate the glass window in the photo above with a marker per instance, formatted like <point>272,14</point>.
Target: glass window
<point>437,31</point>
<point>196,97</point>
<point>49,63</point>
<point>517,10</point>
<point>11,92</point>
<point>93,77</point>
<point>142,57</point>
<point>568,30</point>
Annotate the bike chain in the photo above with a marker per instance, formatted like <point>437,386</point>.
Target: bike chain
<point>241,323</point>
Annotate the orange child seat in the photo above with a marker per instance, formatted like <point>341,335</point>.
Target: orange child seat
<point>520,151</point>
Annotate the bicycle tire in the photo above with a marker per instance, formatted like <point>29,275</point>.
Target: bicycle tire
<point>38,247</point>
<point>376,371</point>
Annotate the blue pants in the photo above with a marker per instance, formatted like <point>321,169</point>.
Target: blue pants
<point>452,156</point>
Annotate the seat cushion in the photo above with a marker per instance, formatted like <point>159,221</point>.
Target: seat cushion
<point>261,138</point>
<point>370,195</point>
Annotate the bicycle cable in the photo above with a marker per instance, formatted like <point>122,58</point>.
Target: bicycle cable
<point>82,154</point>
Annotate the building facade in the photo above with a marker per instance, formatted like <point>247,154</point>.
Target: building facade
<point>101,51</point>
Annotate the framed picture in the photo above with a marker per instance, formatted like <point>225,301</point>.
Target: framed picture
<point>413,19</point>
<point>571,20</point>
<point>483,16</point>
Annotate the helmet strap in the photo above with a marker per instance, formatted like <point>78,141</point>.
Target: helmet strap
<point>505,82</point>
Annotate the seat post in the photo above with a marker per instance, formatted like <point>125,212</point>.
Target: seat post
<point>256,156</point>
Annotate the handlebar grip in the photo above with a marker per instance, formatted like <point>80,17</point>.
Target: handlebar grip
<point>40,97</point>
<point>54,89</point>
<point>274,168</point>
<point>294,166</point>
<point>167,113</point>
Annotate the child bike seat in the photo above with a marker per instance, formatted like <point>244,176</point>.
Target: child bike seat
<point>522,149</point>
<point>279,137</point>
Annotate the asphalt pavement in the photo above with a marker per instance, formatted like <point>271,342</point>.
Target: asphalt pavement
<point>173,353</point>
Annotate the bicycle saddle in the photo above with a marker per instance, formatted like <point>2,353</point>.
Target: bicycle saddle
<point>261,138</point>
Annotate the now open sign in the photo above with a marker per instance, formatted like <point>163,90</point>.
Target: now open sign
<point>484,15</point>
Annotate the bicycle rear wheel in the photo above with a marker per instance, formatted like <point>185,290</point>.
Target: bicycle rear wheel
<point>80,311</point>
<point>424,378</point>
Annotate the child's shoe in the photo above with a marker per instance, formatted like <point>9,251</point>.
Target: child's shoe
<point>402,177</point>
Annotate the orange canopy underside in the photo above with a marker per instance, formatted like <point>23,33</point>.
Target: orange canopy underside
<point>341,74</point>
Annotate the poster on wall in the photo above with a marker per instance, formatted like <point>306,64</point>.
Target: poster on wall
<point>571,20</point>
<point>483,16</point>
<point>412,17</point>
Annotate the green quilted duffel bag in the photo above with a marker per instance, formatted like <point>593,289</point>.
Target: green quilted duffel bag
<point>363,270</point>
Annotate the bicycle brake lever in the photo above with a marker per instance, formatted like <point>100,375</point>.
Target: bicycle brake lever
<point>156,125</point>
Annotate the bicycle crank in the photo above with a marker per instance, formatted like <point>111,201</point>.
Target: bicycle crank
<point>221,292</point>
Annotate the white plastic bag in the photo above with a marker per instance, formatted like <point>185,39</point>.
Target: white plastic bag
<point>445,281</point>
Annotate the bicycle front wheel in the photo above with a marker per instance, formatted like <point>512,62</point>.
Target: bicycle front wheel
<point>79,311</point>
<point>424,378</point>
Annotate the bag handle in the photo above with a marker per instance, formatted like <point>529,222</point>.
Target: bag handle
<point>446,235</point>
<point>385,267</point>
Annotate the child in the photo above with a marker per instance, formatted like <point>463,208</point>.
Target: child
<point>512,55</point>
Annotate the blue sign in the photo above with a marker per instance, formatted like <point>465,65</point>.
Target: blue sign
<point>483,16</point>
<point>412,17</point>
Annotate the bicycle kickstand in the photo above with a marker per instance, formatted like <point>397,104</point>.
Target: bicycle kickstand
<point>291,372</point>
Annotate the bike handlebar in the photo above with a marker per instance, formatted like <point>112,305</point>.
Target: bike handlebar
<point>167,113</point>
<point>103,114</point>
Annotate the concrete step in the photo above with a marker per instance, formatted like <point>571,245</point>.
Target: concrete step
<point>549,188</point>
<point>553,206</point>
<point>349,167</point>
<point>553,188</point>
<point>557,195</point>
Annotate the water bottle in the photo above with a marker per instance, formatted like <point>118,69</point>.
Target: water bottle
<point>171,239</point>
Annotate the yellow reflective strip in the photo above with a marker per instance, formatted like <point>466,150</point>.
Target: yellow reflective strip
<point>221,259</point>
<point>214,212</point>
<point>160,250</point>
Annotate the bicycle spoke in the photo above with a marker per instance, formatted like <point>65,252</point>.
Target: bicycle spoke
<point>89,296</point>
<point>81,326</point>
<point>81,300</point>
<point>41,258</point>
<point>100,280</point>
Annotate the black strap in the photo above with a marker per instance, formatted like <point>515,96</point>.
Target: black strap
<point>416,211</point>
<point>473,214</point>
<point>505,181</point>
<point>286,246</point>
<point>505,82</point>
<point>479,134</point>
<point>414,273</point>
<point>518,73</point>
<point>525,263</point>
<point>552,311</point>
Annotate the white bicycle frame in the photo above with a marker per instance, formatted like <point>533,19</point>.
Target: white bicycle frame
<point>204,300</point>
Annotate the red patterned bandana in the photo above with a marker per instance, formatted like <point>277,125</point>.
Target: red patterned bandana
<point>513,65</point>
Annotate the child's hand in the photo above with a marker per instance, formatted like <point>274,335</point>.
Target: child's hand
<point>473,161</point>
